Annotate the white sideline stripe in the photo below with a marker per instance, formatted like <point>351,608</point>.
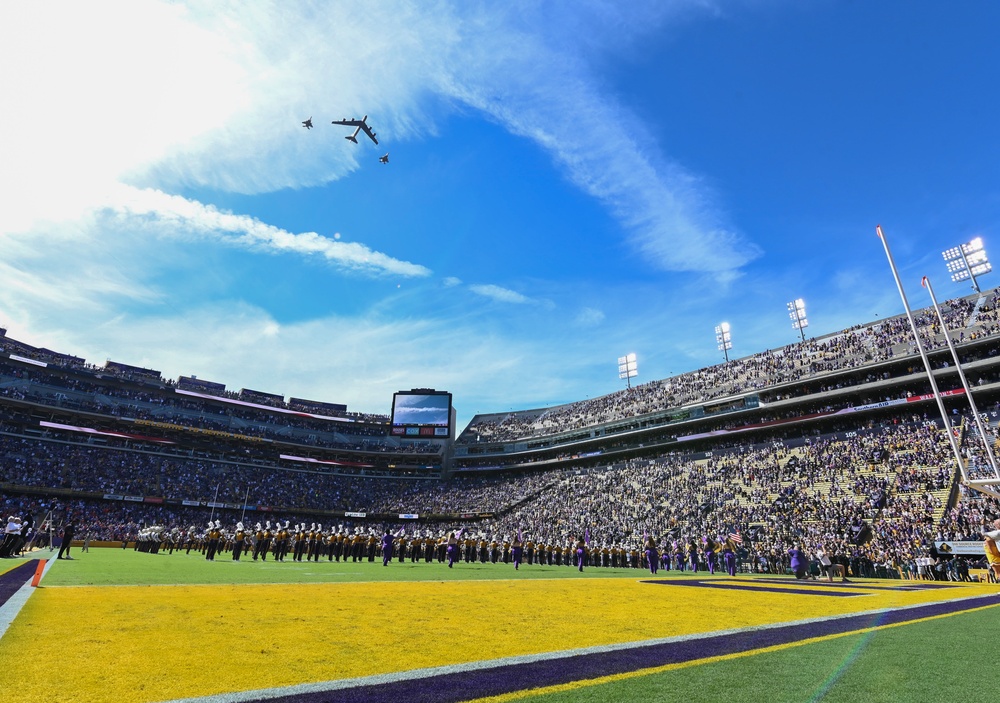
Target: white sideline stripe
<point>415,674</point>
<point>10,609</point>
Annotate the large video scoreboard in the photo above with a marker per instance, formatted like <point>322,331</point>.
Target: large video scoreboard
<point>421,412</point>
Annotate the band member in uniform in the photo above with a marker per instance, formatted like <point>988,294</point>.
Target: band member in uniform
<point>298,541</point>
<point>281,542</point>
<point>263,545</point>
<point>238,541</point>
<point>213,536</point>
<point>315,540</point>
<point>401,546</point>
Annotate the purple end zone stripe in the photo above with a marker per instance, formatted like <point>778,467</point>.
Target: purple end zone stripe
<point>905,585</point>
<point>464,686</point>
<point>11,582</point>
<point>766,589</point>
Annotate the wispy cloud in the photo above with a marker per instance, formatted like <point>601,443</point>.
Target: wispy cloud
<point>588,317</point>
<point>363,360</point>
<point>226,113</point>
<point>550,95</point>
<point>499,294</point>
<point>177,216</point>
<point>96,147</point>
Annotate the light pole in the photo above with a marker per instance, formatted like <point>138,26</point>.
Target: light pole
<point>968,261</point>
<point>797,313</point>
<point>627,368</point>
<point>724,339</point>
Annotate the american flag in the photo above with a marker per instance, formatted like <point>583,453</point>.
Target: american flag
<point>736,537</point>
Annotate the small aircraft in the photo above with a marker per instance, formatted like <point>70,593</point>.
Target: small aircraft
<point>308,124</point>
<point>359,125</point>
<point>384,159</point>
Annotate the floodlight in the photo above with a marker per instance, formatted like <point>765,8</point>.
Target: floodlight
<point>724,339</point>
<point>628,368</point>
<point>797,314</point>
<point>967,261</point>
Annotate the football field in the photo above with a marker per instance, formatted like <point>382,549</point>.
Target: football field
<point>117,625</point>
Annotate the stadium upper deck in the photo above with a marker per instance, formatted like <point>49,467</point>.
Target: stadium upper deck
<point>44,393</point>
<point>876,365</point>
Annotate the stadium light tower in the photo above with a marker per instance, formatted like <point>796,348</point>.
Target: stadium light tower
<point>797,312</point>
<point>724,338</point>
<point>968,261</point>
<point>628,368</point>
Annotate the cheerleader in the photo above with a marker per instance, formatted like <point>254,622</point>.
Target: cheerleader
<point>517,550</point>
<point>710,547</point>
<point>692,550</point>
<point>652,555</point>
<point>678,556</point>
<point>580,552</point>
<point>387,540</point>
<point>452,548</point>
<point>729,556</point>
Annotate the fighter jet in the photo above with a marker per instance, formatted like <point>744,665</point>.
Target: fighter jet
<point>359,126</point>
<point>308,124</point>
<point>384,159</point>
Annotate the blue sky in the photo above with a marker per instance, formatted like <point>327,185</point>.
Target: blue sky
<point>568,182</point>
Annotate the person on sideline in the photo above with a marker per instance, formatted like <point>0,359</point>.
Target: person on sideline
<point>67,538</point>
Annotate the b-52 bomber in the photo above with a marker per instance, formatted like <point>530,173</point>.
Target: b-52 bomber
<point>359,125</point>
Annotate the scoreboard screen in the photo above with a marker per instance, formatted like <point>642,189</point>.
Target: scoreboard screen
<point>421,413</point>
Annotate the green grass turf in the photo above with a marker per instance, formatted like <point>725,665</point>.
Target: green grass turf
<point>117,567</point>
<point>923,662</point>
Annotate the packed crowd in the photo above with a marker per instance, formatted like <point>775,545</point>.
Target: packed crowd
<point>36,463</point>
<point>853,348</point>
<point>877,500</point>
<point>152,378</point>
<point>96,395</point>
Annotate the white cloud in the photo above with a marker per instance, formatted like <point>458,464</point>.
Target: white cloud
<point>177,216</point>
<point>550,95</point>
<point>110,111</point>
<point>361,363</point>
<point>499,294</point>
<point>91,93</point>
<point>589,317</point>
<point>183,96</point>
<point>224,112</point>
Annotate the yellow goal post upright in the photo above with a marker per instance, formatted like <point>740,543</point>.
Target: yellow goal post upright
<point>989,485</point>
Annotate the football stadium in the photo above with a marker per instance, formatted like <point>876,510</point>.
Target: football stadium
<point>309,321</point>
<point>796,515</point>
